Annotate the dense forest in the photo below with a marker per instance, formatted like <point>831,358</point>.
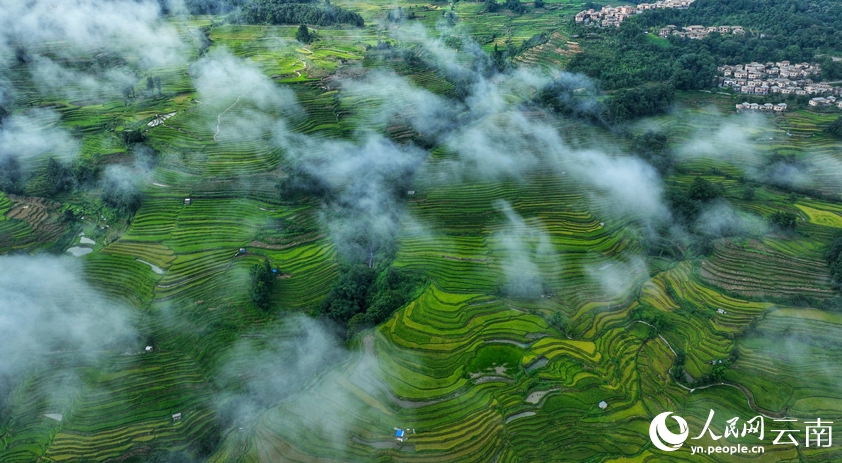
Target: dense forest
<point>295,12</point>
<point>277,11</point>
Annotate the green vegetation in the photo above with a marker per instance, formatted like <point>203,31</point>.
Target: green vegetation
<point>784,220</point>
<point>638,102</point>
<point>781,22</point>
<point>491,356</point>
<point>10,174</point>
<point>630,55</point>
<point>835,128</point>
<point>363,298</point>
<point>303,34</point>
<point>262,281</point>
<point>834,260</point>
<point>284,12</point>
<point>622,307</point>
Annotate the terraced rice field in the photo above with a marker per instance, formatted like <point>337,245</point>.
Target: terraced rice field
<point>475,370</point>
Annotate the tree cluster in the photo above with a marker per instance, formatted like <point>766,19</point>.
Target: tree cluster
<point>300,183</point>
<point>786,221</point>
<point>204,7</point>
<point>654,148</point>
<point>515,6</point>
<point>559,321</point>
<point>625,57</point>
<point>295,12</point>
<point>687,205</point>
<point>637,102</point>
<point>835,128</point>
<point>59,176</point>
<point>153,83</point>
<point>303,34</point>
<point>11,175</point>
<point>362,297</point>
<point>133,137</point>
<point>121,194</point>
<point>262,281</point>
<point>834,260</point>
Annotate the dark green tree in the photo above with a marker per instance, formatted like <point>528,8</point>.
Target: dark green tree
<point>262,280</point>
<point>59,176</point>
<point>748,193</point>
<point>128,94</point>
<point>303,34</point>
<point>835,128</point>
<point>11,175</point>
<point>21,55</point>
<point>654,148</point>
<point>559,321</point>
<point>784,220</point>
<point>85,170</point>
<point>349,295</point>
<point>491,6</point>
<point>704,190</point>
<point>834,260</point>
<point>515,6</point>
<point>157,82</point>
<point>121,193</point>
<point>150,84</point>
<point>131,137</point>
<point>694,71</point>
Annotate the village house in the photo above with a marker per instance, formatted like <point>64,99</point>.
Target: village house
<point>769,107</point>
<point>822,101</point>
<point>693,32</point>
<point>779,77</point>
<point>613,16</point>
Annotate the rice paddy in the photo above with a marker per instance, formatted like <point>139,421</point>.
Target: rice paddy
<point>476,373</point>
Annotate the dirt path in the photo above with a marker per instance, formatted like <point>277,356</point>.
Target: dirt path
<point>219,117</point>
<point>298,73</point>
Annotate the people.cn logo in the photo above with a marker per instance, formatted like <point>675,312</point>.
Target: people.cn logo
<point>665,439</point>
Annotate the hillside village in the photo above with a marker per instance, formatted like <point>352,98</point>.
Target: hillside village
<point>781,77</point>
<point>778,108</point>
<point>699,32</point>
<point>613,16</point>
